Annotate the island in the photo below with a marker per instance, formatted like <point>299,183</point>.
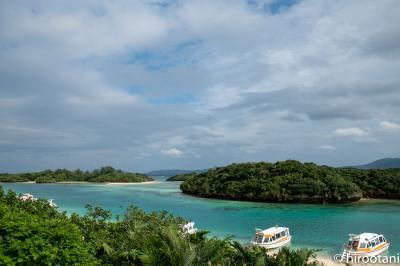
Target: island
<point>104,174</point>
<point>181,177</point>
<point>293,182</point>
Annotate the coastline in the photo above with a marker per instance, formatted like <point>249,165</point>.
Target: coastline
<point>377,201</point>
<point>328,261</point>
<point>130,183</point>
<point>87,182</point>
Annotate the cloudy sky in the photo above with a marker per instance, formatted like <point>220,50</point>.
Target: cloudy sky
<point>145,85</point>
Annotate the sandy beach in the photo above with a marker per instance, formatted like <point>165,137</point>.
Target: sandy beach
<point>328,261</point>
<point>99,183</point>
<point>131,183</point>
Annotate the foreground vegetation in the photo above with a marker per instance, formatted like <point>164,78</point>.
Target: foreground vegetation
<point>292,181</point>
<point>32,233</point>
<point>104,174</point>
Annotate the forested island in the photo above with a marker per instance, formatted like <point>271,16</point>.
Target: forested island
<point>33,233</point>
<point>181,177</point>
<point>293,181</point>
<point>104,174</point>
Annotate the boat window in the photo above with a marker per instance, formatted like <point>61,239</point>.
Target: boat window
<point>363,245</point>
<point>258,238</point>
<point>278,236</point>
<point>273,238</point>
<point>283,233</point>
<point>373,243</point>
<point>369,244</point>
<point>381,239</point>
<point>266,240</point>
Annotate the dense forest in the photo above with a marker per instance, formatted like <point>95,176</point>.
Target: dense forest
<point>293,181</point>
<point>33,233</point>
<point>104,174</point>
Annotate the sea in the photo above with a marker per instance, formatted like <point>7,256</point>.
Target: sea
<point>321,227</point>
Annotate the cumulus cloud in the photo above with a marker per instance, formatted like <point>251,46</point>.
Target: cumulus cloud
<point>389,126</point>
<point>174,152</point>
<point>350,132</point>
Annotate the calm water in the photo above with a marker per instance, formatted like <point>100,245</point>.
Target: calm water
<point>313,226</point>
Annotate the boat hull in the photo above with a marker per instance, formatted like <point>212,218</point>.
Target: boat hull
<point>371,253</point>
<point>277,244</point>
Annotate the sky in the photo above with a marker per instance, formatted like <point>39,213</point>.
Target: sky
<point>193,84</point>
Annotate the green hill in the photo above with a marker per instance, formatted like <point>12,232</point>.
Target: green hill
<point>292,181</point>
<point>386,163</point>
<point>104,174</point>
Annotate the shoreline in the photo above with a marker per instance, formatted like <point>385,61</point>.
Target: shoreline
<point>130,183</point>
<point>86,182</point>
<point>328,261</point>
<point>359,202</point>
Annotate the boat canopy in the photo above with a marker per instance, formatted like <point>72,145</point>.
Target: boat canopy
<point>271,231</point>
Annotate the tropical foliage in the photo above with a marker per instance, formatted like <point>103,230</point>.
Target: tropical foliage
<point>292,181</point>
<point>104,174</point>
<point>33,233</point>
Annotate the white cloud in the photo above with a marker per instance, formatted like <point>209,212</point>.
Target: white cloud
<point>173,152</point>
<point>350,132</point>
<point>327,147</point>
<point>390,127</point>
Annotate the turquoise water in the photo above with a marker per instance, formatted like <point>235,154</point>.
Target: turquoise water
<point>313,226</point>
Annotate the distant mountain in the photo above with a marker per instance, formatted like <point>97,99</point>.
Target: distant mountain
<point>172,172</point>
<point>385,163</point>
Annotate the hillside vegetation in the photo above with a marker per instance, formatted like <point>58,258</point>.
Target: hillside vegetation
<point>104,174</point>
<point>33,233</point>
<point>181,177</point>
<point>293,181</point>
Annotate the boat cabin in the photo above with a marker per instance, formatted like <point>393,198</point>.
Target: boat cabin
<point>364,241</point>
<point>270,235</point>
<point>27,196</point>
<point>189,228</point>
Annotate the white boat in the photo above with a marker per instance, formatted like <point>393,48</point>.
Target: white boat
<point>52,203</point>
<point>27,196</point>
<point>189,228</point>
<point>364,245</point>
<point>271,238</point>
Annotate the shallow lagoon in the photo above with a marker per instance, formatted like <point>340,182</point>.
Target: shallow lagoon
<point>315,226</point>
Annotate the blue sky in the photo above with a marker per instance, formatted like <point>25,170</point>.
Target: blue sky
<point>144,85</point>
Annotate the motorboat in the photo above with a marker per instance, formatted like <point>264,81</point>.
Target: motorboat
<point>52,203</point>
<point>271,238</point>
<point>189,228</point>
<point>27,196</point>
<point>364,245</point>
